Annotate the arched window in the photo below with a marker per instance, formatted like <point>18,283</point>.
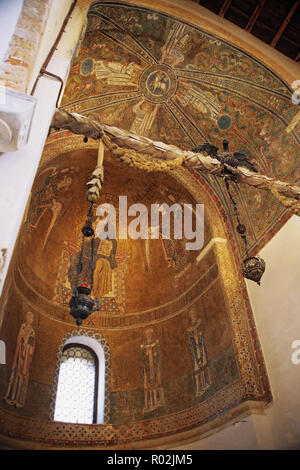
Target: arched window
<point>82,380</point>
<point>77,389</point>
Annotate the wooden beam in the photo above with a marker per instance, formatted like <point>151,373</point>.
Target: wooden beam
<point>255,15</point>
<point>224,8</point>
<point>298,57</point>
<point>285,23</point>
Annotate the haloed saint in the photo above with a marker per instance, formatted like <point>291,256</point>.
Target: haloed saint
<point>18,382</point>
<point>199,354</point>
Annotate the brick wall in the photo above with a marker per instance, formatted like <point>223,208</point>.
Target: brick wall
<point>16,67</point>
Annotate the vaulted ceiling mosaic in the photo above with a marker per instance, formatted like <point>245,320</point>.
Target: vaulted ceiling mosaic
<point>146,72</point>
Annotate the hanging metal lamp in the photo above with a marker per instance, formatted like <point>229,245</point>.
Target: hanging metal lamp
<point>81,304</point>
<point>253,267</point>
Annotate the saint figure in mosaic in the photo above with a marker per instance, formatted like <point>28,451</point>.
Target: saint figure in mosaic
<point>151,369</point>
<point>116,73</point>
<point>199,354</point>
<point>105,263</point>
<point>17,386</point>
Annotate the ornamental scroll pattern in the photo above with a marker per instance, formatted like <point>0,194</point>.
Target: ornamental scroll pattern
<point>208,415</point>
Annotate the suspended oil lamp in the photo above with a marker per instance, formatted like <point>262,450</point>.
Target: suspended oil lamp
<point>81,304</point>
<point>253,267</point>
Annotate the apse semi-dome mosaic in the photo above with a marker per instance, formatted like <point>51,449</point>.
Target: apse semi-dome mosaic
<point>136,280</point>
<point>156,76</point>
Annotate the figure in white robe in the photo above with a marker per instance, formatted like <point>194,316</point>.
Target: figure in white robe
<point>202,101</point>
<point>176,45</point>
<point>199,354</point>
<point>151,369</point>
<point>145,114</point>
<point>116,73</point>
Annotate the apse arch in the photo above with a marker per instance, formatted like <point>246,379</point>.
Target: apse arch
<point>192,420</point>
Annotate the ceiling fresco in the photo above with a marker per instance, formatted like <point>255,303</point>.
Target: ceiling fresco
<point>147,72</point>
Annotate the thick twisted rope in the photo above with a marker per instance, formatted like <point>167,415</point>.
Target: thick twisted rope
<point>139,160</point>
<point>149,155</point>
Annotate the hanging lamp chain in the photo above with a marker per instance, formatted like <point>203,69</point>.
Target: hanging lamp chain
<point>87,231</point>
<point>241,228</point>
<point>92,264</point>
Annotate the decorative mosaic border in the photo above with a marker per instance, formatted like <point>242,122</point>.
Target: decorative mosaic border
<point>64,434</point>
<point>103,343</point>
<point>124,321</point>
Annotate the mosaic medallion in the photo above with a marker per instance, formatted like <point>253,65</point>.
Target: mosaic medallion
<point>224,122</point>
<point>86,67</point>
<point>158,83</point>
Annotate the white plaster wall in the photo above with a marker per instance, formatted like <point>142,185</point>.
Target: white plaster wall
<point>276,309</point>
<point>237,436</point>
<point>18,169</point>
